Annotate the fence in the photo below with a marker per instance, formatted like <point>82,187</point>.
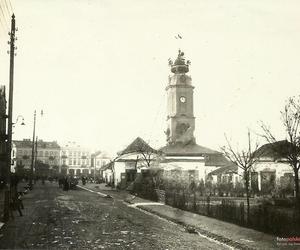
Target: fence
<point>266,218</point>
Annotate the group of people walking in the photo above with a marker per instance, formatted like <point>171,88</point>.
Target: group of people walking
<point>67,182</point>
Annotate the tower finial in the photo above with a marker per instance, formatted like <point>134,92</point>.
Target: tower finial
<point>179,66</point>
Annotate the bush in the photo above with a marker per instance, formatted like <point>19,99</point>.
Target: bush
<point>144,187</point>
<point>284,202</point>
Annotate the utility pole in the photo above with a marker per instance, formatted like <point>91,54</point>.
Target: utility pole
<point>32,153</point>
<point>10,114</point>
<point>10,98</point>
<point>94,169</point>
<point>35,152</point>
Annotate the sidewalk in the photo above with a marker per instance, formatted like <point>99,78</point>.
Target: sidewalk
<point>231,234</point>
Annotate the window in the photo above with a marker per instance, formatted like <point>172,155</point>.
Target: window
<point>46,153</point>
<point>51,152</point>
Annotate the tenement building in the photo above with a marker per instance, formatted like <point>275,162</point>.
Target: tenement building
<point>75,159</point>
<point>44,152</point>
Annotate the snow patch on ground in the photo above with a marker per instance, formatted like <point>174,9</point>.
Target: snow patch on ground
<point>145,204</point>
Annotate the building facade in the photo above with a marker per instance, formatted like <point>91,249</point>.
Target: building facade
<point>75,160</point>
<point>98,160</point>
<point>45,153</point>
<point>272,172</point>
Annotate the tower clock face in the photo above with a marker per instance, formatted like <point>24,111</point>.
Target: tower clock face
<point>182,99</point>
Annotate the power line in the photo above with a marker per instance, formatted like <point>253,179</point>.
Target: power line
<point>2,25</point>
<point>11,8</point>
<point>156,116</point>
<point>4,18</point>
<point>6,6</point>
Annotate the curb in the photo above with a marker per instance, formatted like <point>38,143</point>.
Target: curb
<point>191,229</point>
<point>99,193</point>
<point>201,232</point>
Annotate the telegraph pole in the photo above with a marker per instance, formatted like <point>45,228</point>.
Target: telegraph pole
<point>10,113</point>
<point>94,169</point>
<point>35,152</point>
<point>10,98</point>
<point>32,153</point>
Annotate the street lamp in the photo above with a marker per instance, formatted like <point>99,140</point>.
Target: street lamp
<point>13,126</point>
<point>22,123</point>
<point>33,149</point>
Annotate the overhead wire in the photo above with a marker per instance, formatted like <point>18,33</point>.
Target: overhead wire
<point>2,25</point>
<point>10,5</point>
<point>4,17</point>
<point>158,112</point>
<point>8,12</point>
<point>4,28</point>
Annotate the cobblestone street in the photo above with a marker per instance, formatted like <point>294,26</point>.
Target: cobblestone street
<point>82,220</point>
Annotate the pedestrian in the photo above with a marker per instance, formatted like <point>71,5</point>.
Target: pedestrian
<point>60,182</point>
<point>66,184</point>
<point>83,180</point>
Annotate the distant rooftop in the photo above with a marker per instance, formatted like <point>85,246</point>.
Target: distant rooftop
<point>27,143</point>
<point>275,150</point>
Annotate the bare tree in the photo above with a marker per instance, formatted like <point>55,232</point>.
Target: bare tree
<point>149,157</point>
<point>290,149</point>
<point>244,159</point>
<point>145,154</point>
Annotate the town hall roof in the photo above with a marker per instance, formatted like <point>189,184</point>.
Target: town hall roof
<point>191,149</point>
<point>211,157</point>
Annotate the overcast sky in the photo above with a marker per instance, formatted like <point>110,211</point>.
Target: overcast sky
<point>99,69</point>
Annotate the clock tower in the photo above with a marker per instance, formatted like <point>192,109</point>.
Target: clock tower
<point>180,113</point>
